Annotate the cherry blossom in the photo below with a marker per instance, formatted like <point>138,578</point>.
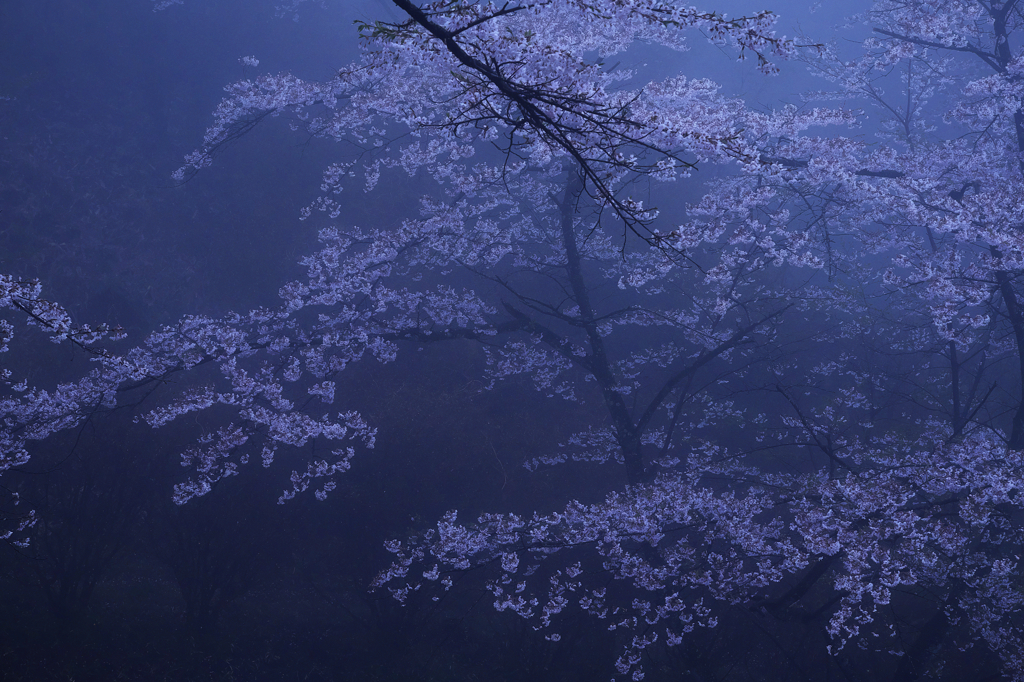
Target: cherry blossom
<point>809,380</point>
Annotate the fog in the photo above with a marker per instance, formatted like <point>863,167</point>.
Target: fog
<point>801,373</point>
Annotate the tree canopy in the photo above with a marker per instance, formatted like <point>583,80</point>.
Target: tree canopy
<point>808,382</point>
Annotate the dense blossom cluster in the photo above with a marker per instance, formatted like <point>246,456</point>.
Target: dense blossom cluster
<point>27,413</point>
<point>912,517</point>
<point>258,356</point>
<point>520,77</point>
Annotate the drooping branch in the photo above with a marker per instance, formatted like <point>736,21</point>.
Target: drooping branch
<point>565,119</point>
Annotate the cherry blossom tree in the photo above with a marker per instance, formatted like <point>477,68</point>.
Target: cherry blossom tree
<point>519,81</point>
<point>899,195</point>
<point>783,444</point>
<point>933,211</point>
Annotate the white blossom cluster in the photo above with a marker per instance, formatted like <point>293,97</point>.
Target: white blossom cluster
<point>522,78</point>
